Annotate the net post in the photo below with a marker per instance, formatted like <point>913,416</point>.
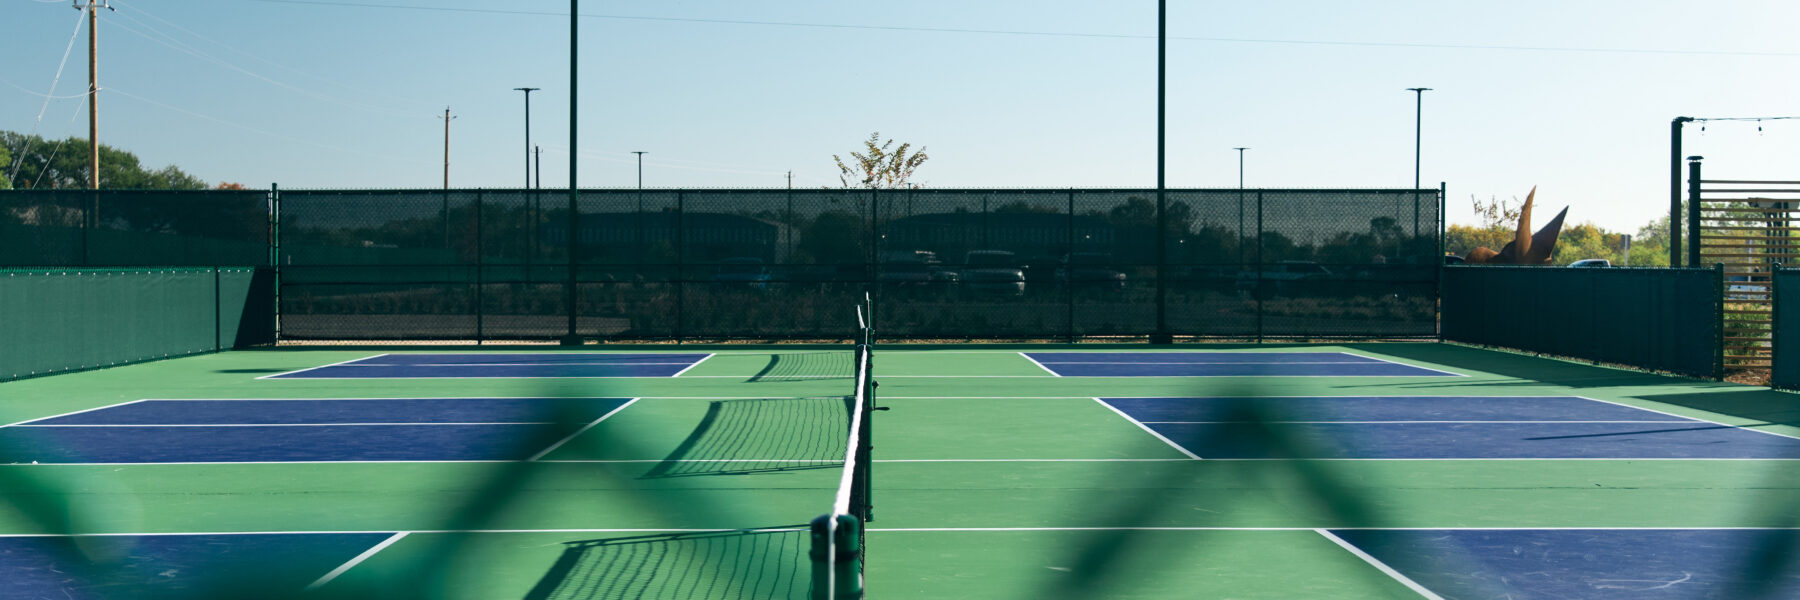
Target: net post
<point>836,558</point>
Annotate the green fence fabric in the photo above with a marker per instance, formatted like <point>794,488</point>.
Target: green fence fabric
<point>1658,319</point>
<point>1785,368</point>
<point>73,319</point>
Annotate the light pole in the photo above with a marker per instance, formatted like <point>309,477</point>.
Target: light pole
<point>1418,130</point>
<point>528,91</point>
<point>640,199</point>
<point>1240,240</point>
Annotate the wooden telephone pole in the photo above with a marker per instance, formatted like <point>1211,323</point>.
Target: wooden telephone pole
<point>93,89</point>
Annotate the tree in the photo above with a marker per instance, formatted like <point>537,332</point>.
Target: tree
<point>47,164</point>
<point>878,167</point>
<point>5,162</point>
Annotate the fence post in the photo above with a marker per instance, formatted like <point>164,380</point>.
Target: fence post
<point>1719,307</point>
<point>681,263</point>
<point>1069,272</point>
<point>480,331</point>
<point>275,253</point>
<point>1774,323</point>
<point>1256,282</point>
<point>1694,211</point>
<point>1162,335</point>
<point>872,271</point>
<point>1437,302</point>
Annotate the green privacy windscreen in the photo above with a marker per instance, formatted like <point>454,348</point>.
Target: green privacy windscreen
<point>72,319</point>
<point>1658,319</point>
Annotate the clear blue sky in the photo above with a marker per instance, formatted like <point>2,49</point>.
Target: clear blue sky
<point>1573,97</point>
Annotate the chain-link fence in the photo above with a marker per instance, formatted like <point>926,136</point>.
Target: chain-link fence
<point>781,264</point>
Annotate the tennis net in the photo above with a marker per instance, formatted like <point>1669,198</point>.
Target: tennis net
<point>838,548</point>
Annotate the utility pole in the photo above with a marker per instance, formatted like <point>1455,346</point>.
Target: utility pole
<point>538,151</point>
<point>93,89</point>
<point>447,119</point>
<point>528,91</point>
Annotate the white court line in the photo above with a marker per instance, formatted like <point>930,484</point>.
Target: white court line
<point>1404,364</point>
<point>70,413</point>
<point>162,425</point>
<point>1147,429</point>
<point>696,364</point>
<point>1408,422</point>
<point>323,366</point>
<point>578,432</point>
<point>1040,365</point>
<point>873,529</point>
<point>524,364</point>
<point>956,460</point>
<point>1279,362</point>
<point>320,582</point>
<point>1694,419</point>
<point>1375,562</point>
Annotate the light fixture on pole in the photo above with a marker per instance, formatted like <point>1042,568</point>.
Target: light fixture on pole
<point>528,91</point>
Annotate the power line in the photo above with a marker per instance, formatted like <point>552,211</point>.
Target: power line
<point>1069,34</point>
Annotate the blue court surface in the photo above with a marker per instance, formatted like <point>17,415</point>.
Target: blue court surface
<point>173,566</point>
<point>1224,364</point>
<point>203,431</point>
<point>1439,427</point>
<point>1593,564</point>
<point>515,365</point>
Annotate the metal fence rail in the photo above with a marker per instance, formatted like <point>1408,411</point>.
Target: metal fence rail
<point>790,264</point>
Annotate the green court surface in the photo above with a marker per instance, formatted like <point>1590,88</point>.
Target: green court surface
<point>993,478</point>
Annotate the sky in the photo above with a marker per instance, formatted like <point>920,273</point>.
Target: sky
<point>1572,97</point>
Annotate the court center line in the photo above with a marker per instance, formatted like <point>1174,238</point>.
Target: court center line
<point>1040,365</point>
<point>1147,429</point>
<point>320,582</point>
<point>1383,567</point>
<point>578,432</point>
<point>342,362</point>
<point>691,367</point>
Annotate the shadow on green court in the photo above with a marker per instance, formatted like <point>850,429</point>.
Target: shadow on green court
<point>761,563</point>
<point>802,366</point>
<point>739,437</point>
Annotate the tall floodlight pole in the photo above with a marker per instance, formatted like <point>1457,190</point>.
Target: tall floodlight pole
<point>640,160</point>
<point>1240,240</point>
<point>528,91</point>
<point>1418,137</point>
<point>1162,335</point>
<point>572,339</point>
<point>447,120</point>
<point>1418,123</point>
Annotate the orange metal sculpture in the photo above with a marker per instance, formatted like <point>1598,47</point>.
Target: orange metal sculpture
<point>1526,248</point>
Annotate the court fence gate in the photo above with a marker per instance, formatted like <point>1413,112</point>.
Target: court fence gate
<point>689,265</point>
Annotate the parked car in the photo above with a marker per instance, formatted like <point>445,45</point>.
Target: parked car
<point>993,271</point>
<point>916,270</point>
<point>1090,271</point>
<point>1746,287</point>
<point>743,272</point>
<point>1284,277</point>
<point>1590,263</point>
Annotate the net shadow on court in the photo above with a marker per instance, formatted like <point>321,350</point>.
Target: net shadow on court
<point>741,437</point>
<point>802,366</point>
<point>755,563</point>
